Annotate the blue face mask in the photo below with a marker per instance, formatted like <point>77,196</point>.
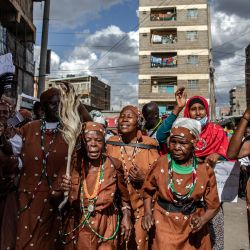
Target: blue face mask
<point>203,121</point>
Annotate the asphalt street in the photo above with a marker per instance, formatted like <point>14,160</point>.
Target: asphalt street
<point>236,228</point>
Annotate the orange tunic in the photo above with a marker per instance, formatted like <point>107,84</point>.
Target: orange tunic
<point>173,229</point>
<point>38,226</point>
<point>104,219</point>
<point>143,159</point>
<point>8,200</point>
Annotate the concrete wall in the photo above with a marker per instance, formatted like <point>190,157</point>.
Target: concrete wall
<point>183,48</point>
<point>173,2</point>
<point>182,66</point>
<point>182,19</point>
<point>18,40</point>
<point>100,94</point>
<point>182,42</point>
<point>145,90</point>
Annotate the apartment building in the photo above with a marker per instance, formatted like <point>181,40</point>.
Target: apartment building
<point>174,50</point>
<point>17,36</point>
<point>94,93</point>
<point>237,97</point>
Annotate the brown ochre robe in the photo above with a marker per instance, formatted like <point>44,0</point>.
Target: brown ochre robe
<point>144,159</point>
<point>172,229</point>
<point>8,200</point>
<point>103,220</point>
<point>38,226</point>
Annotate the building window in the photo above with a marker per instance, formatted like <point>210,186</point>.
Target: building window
<point>192,35</point>
<point>164,36</point>
<point>166,88</point>
<point>168,14</point>
<point>193,84</point>
<point>192,13</point>
<point>192,60</point>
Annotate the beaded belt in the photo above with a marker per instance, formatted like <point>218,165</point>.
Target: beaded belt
<point>185,209</point>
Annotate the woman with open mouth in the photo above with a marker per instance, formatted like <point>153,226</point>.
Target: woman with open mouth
<point>98,211</point>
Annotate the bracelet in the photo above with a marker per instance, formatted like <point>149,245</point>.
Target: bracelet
<point>245,118</point>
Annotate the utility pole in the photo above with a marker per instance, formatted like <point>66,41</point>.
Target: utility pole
<point>211,69</point>
<point>44,44</point>
<point>212,93</point>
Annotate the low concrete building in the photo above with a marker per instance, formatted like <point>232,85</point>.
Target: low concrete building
<point>237,97</point>
<point>94,93</point>
<point>224,111</point>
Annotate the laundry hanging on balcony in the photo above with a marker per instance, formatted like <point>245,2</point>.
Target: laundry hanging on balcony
<point>164,39</point>
<point>163,61</point>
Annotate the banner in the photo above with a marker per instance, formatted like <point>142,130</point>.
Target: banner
<point>6,64</point>
<point>227,176</point>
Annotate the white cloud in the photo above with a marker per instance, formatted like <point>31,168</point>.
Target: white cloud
<point>231,34</point>
<point>117,67</point>
<point>75,13</point>
<point>54,63</point>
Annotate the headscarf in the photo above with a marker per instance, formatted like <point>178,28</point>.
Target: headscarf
<point>6,81</point>
<point>7,103</point>
<point>196,99</point>
<point>48,94</point>
<point>187,127</point>
<point>93,126</point>
<point>213,139</point>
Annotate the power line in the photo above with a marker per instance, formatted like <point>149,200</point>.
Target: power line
<point>231,40</point>
<point>125,36</point>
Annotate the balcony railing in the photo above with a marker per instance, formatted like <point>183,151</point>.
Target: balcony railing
<point>163,38</point>
<point>163,15</point>
<point>164,85</point>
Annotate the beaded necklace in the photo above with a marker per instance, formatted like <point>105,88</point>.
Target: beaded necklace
<point>87,215</point>
<point>178,197</point>
<point>94,196</point>
<point>123,149</point>
<point>45,154</point>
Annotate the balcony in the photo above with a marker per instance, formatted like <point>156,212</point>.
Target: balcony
<point>163,60</point>
<point>164,85</point>
<point>168,14</point>
<point>164,36</point>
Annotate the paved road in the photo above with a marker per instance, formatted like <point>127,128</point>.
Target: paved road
<point>236,229</point>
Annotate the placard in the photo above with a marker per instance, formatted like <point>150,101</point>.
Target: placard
<point>227,176</point>
<point>6,64</point>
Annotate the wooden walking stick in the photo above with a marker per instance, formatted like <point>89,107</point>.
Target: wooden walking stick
<point>71,124</point>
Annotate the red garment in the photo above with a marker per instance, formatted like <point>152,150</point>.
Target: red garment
<point>213,139</point>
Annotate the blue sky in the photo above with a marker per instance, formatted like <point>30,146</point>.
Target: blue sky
<point>123,15</point>
<point>90,24</point>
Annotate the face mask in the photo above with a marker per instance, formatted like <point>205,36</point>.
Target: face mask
<point>203,121</point>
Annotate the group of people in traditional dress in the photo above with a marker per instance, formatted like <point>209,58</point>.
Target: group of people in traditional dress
<point>152,186</point>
